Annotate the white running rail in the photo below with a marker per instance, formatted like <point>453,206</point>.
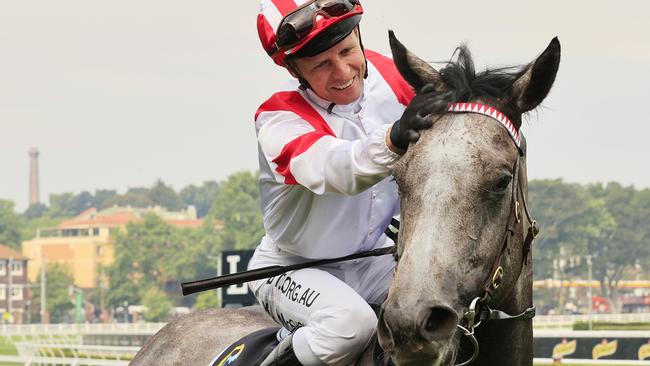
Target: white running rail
<point>544,320</point>
<point>63,329</point>
<point>31,361</point>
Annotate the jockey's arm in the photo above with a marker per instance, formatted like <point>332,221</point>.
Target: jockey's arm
<point>321,162</point>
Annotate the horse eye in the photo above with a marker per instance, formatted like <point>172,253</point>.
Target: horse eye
<point>500,186</point>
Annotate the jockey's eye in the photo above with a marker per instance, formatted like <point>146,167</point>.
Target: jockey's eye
<point>500,186</point>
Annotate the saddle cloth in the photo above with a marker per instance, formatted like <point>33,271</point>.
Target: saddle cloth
<point>253,348</point>
<point>249,350</point>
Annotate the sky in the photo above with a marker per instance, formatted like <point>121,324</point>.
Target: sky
<point>118,94</point>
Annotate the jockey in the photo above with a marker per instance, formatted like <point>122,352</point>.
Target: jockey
<point>327,145</point>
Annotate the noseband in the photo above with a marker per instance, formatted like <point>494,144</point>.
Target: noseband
<point>479,310</point>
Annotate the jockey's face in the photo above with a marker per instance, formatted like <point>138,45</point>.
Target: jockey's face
<point>336,74</point>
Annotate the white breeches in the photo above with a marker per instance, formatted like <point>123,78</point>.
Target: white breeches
<point>327,307</point>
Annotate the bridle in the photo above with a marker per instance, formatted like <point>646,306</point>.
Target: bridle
<point>479,309</point>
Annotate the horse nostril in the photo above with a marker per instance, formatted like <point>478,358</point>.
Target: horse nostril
<point>439,323</point>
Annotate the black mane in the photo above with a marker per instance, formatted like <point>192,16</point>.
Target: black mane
<point>492,86</point>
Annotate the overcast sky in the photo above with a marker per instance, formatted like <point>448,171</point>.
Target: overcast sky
<point>117,94</point>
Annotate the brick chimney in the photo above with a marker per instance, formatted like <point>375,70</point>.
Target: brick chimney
<point>34,195</point>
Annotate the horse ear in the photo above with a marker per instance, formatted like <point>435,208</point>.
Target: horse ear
<point>535,83</point>
<point>416,71</point>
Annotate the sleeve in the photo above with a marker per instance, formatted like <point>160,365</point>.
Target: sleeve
<point>314,158</point>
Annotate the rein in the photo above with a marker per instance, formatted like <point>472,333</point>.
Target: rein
<point>479,310</point>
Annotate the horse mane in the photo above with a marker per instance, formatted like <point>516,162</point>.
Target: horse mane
<point>492,86</point>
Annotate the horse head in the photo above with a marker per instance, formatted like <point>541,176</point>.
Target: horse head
<point>462,188</point>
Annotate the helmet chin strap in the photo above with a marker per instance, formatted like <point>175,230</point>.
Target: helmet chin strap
<point>365,76</point>
<point>303,82</point>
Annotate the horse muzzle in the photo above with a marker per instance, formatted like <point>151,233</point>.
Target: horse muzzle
<point>416,333</point>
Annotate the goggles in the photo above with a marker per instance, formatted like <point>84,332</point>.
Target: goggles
<point>298,24</point>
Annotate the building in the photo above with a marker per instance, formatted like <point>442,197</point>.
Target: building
<point>83,244</point>
<point>13,285</point>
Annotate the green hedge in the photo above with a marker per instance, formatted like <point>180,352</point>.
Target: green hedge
<point>611,326</point>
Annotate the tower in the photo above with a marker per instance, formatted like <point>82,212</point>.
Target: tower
<point>34,196</point>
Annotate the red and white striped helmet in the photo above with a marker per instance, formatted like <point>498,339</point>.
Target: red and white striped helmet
<point>302,21</point>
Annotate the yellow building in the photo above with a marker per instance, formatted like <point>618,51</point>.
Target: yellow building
<point>83,244</point>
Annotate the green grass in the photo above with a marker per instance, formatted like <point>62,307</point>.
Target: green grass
<point>570,364</point>
<point>611,326</point>
<point>7,348</point>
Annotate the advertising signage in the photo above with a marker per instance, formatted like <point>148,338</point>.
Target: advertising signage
<point>597,345</point>
<point>234,261</point>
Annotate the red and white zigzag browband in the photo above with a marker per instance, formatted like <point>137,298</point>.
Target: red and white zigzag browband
<point>490,112</point>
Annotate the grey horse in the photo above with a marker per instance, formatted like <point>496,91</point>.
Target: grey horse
<point>459,222</point>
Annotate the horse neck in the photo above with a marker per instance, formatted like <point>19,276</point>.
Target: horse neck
<point>509,342</point>
<point>501,344</point>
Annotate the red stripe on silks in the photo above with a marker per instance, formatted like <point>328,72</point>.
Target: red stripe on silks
<point>294,148</point>
<point>265,28</point>
<point>284,6</point>
<point>403,91</point>
<point>292,101</point>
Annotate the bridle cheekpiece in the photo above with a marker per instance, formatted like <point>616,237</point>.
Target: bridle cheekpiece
<point>479,309</point>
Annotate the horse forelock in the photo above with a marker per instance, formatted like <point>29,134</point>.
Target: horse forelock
<point>492,86</point>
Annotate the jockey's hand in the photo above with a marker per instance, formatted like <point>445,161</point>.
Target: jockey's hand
<point>416,117</point>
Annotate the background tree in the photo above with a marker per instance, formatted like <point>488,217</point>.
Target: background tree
<point>628,240</point>
<point>570,221</point>
<point>207,300</point>
<point>142,256</point>
<point>10,225</point>
<point>199,259</point>
<point>35,211</point>
<point>165,196</point>
<point>132,198</point>
<point>557,207</point>
<point>200,197</point>
<point>58,301</point>
<point>30,228</point>
<point>157,305</point>
<point>101,196</point>
<point>238,207</point>
<point>66,204</point>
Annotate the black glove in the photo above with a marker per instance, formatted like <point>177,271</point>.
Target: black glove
<point>415,118</point>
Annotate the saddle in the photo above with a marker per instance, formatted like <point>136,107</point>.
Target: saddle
<point>253,348</point>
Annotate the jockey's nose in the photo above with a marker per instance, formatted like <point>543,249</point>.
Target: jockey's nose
<point>437,322</point>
